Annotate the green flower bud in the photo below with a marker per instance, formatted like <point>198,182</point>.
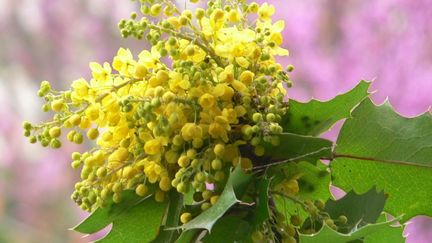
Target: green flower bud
<point>76,164</point>
<point>33,139</point>
<point>343,219</point>
<point>78,138</point>
<point>55,132</point>
<point>257,117</point>
<point>216,164</point>
<point>55,144</point>
<point>155,9</point>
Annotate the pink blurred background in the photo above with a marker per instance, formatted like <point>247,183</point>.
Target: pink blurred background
<point>333,44</point>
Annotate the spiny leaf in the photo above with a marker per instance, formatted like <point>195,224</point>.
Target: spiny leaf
<point>326,234</point>
<point>294,147</point>
<point>229,229</point>
<point>138,224</point>
<point>188,236</point>
<point>316,117</point>
<point>236,184</point>
<point>175,206</point>
<point>188,197</point>
<point>393,234</point>
<point>359,209</point>
<point>262,211</point>
<point>102,217</point>
<point>397,154</point>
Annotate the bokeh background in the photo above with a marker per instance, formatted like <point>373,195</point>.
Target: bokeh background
<point>333,44</point>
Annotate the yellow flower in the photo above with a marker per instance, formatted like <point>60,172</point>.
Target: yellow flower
<point>121,131</point>
<point>191,131</point>
<point>266,11</point>
<point>93,112</point>
<point>276,37</point>
<point>217,19</point>
<point>140,70</point>
<point>230,114</point>
<point>219,128</point>
<point>247,77</point>
<point>242,62</point>
<point>234,15</point>
<point>100,73</point>
<point>149,59</point>
<point>227,76</point>
<point>178,83</point>
<point>152,171</point>
<point>207,101</point>
<point>237,50</point>
<point>110,103</point>
<point>217,131</point>
<point>119,156</point>
<point>239,86</point>
<point>174,22</point>
<point>223,91</point>
<point>153,147</point>
<point>234,43</point>
<point>280,89</point>
<point>80,89</point>
<point>124,62</point>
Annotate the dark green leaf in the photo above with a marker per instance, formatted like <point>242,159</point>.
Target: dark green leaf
<point>188,236</point>
<point>326,234</point>
<point>102,217</point>
<point>295,147</point>
<point>175,206</point>
<point>236,184</point>
<point>137,224</point>
<point>316,117</point>
<point>359,209</point>
<point>262,211</point>
<point>229,229</point>
<point>397,158</point>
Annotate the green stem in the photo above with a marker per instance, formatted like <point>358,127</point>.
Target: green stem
<point>184,36</point>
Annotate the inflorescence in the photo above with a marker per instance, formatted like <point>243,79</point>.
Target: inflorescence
<point>177,115</point>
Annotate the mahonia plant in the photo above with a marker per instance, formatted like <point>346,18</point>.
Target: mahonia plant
<point>199,122</point>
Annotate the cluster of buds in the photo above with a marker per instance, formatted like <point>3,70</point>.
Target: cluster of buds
<point>174,124</point>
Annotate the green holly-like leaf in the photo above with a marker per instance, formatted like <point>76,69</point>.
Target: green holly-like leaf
<point>229,229</point>
<point>188,236</point>
<point>188,197</point>
<point>140,223</point>
<point>359,209</point>
<point>294,147</point>
<point>262,211</point>
<point>379,147</point>
<point>316,117</point>
<point>326,234</point>
<point>233,190</point>
<point>393,234</point>
<point>102,217</point>
<point>175,206</point>
<point>314,184</point>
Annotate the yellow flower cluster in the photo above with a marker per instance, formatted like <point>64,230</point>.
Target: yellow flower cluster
<point>180,122</point>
